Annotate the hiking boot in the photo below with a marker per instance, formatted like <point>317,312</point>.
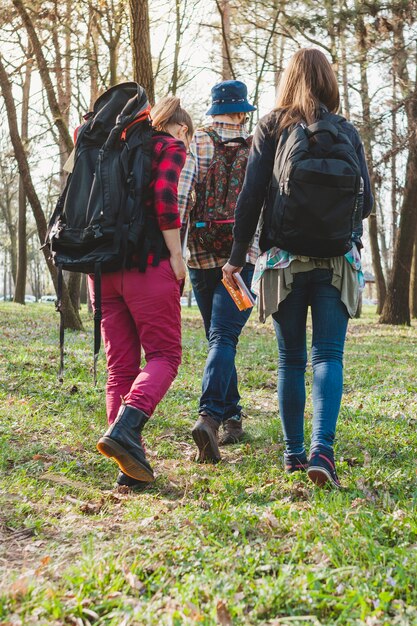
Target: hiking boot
<point>205,433</point>
<point>123,443</point>
<point>123,480</point>
<point>295,462</point>
<point>232,431</point>
<point>321,469</point>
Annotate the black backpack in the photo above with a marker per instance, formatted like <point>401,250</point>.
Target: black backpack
<point>100,219</point>
<point>315,190</point>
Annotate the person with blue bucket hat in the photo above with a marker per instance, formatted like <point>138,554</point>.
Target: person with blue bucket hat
<point>219,403</point>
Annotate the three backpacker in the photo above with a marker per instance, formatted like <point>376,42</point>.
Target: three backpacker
<point>100,220</point>
<point>216,195</point>
<point>316,190</point>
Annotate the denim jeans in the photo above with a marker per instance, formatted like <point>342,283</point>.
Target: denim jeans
<point>223,323</point>
<point>330,319</point>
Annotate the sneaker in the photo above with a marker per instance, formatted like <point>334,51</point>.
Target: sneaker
<point>232,431</point>
<point>295,462</point>
<point>321,469</point>
<point>205,434</point>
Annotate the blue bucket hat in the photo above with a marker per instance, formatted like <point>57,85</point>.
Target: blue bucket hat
<point>230,96</point>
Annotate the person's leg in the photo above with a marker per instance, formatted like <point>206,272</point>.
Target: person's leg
<point>232,407</point>
<point>153,298</point>
<point>290,329</point>
<point>120,339</point>
<point>330,320</point>
<point>219,385</point>
<point>204,283</point>
<point>122,441</point>
<point>225,327</point>
<point>232,417</point>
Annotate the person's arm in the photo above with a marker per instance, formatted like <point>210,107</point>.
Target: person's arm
<point>171,162</point>
<point>186,186</point>
<point>253,194</point>
<point>173,243</point>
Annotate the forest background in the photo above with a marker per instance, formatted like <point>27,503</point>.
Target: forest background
<point>58,56</point>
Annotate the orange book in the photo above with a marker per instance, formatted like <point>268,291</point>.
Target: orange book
<point>240,294</point>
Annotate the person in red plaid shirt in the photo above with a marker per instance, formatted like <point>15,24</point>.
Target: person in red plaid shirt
<point>223,322</point>
<point>141,310</point>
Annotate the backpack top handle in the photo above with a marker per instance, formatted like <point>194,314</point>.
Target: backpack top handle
<point>321,127</point>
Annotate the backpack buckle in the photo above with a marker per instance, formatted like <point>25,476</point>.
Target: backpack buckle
<point>96,230</point>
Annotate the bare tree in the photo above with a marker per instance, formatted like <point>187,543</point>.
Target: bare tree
<point>71,317</point>
<point>20,284</point>
<point>367,136</point>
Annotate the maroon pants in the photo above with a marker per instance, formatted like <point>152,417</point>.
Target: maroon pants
<point>141,312</point>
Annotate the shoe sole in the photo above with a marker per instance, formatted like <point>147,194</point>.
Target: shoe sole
<point>320,476</point>
<point>206,447</point>
<point>126,462</point>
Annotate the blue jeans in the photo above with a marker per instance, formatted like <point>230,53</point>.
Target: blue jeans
<point>223,323</point>
<point>330,319</point>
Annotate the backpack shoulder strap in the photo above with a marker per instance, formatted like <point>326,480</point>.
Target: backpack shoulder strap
<point>214,135</point>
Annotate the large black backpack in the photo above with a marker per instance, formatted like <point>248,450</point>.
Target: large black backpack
<point>100,219</point>
<point>315,190</point>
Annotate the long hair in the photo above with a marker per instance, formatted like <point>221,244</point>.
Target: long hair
<point>169,111</point>
<point>308,81</point>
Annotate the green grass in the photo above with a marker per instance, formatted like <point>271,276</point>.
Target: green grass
<point>238,543</point>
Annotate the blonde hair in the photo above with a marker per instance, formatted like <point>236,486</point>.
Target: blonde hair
<point>169,111</point>
<point>308,80</point>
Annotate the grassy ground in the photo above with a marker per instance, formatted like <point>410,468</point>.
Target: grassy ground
<point>239,543</point>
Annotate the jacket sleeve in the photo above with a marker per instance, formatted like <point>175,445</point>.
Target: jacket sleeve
<point>368,199</point>
<point>254,190</point>
<point>186,184</point>
<point>170,164</point>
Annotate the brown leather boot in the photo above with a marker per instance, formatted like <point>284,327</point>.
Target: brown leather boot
<point>232,431</point>
<point>205,433</point>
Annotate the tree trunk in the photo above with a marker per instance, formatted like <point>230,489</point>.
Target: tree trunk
<point>397,306</point>
<point>141,46</point>
<point>413,285</point>
<point>367,142</point>
<point>20,286</point>
<point>344,66</point>
<point>71,317</point>
<point>92,48</point>
<point>177,48</point>
<point>74,288</point>
<point>227,67</point>
<point>394,135</point>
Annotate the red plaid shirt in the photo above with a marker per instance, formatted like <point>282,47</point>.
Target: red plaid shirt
<point>168,158</point>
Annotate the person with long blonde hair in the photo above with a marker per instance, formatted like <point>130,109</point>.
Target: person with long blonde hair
<point>288,281</point>
<point>141,309</point>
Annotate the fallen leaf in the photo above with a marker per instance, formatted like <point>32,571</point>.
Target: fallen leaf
<point>20,587</point>
<point>134,581</point>
<point>45,458</point>
<point>223,616</point>
<point>91,508</point>
<point>270,519</point>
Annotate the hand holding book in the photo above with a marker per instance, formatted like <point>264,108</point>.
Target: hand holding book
<point>238,291</point>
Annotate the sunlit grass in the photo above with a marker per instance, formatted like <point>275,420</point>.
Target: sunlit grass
<point>238,543</point>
